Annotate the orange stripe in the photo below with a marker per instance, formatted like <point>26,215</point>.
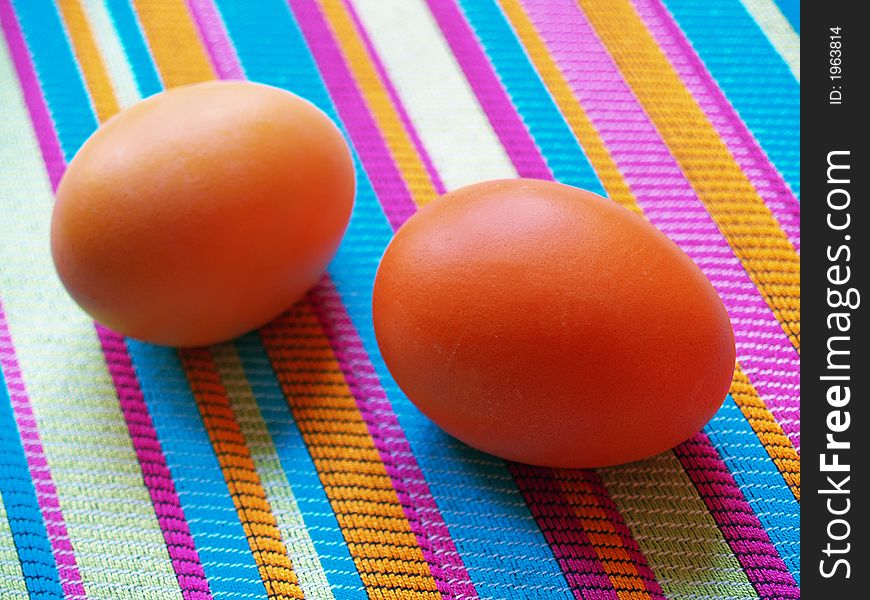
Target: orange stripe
<point>356,482</point>
<point>741,214</point>
<point>174,42</point>
<point>778,446</point>
<point>378,99</point>
<point>181,60</point>
<point>775,441</point>
<point>375,96</point>
<point>608,545</point>
<point>90,61</point>
<point>379,537</point>
<point>579,122</point>
<point>243,482</point>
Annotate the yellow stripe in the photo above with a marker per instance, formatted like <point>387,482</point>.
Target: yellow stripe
<point>240,473</point>
<point>778,446</point>
<point>267,465</point>
<point>174,42</point>
<point>379,102</point>
<point>378,535</point>
<point>91,62</point>
<point>604,165</point>
<point>243,482</point>
<point>746,222</point>
<point>774,440</point>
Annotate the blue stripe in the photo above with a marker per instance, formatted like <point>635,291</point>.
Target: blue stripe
<point>792,11</point>
<point>215,527</point>
<point>473,490</point>
<point>534,103</point>
<point>296,463</point>
<point>211,515</point>
<point>759,480</point>
<point>751,73</point>
<point>128,28</point>
<point>62,85</point>
<point>22,509</point>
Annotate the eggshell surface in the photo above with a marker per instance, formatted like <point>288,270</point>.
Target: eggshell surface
<point>202,212</point>
<point>547,325</point>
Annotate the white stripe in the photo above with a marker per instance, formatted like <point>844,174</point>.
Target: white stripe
<point>441,104</point>
<point>279,492</point>
<point>674,529</point>
<point>778,30</point>
<point>64,371</point>
<point>112,51</point>
<point>300,547</point>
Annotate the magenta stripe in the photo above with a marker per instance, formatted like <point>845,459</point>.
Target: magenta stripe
<point>411,488</point>
<point>644,571</point>
<point>158,478</point>
<point>394,98</point>
<point>39,115</point>
<point>414,495</point>
<point>40,472</point>
<point>743,146</point>
<point>502,114</point>
<point>735,518</point>
<point>386,179</point>
<point>529,162</point>
<point>670,203</point>
<point>564,532</point>
<point>215,39</point>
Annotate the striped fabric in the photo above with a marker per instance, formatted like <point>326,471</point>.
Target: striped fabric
<point>287,463</point>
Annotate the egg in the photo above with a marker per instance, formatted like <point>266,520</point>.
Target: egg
<point>547,325</point>
<point>202,212</point>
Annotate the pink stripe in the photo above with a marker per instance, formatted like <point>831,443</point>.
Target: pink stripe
<point>394,98</point>
<point>40,473</point>
<point>731,128</point>
<point>388,183</point>
<point>529,162</point>
<point>736,520</point>
<point>502,114</point>
<point>413,492</point>
<point>564,533</point>
<point>414,495</point>
<point>670,203</point>
<point>157,478</point>
<point>215,39</point>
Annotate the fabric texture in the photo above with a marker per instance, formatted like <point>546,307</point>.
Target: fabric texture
<point>288,463</point>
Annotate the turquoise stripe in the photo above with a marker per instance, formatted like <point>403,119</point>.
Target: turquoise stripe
<point>752,75</point>
<point>474,491</point>
<point>22,509</point>
<point>296,462</point>
<point>127,25</point>
<point>792,11</point>
<point>536,107</point>
<point>59,74</point>
<point>215,527</point>
<point>759,480</point>
<point>220,540</point>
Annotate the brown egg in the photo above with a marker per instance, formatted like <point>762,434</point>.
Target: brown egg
<point>547,325</point>
<point>202,212</point>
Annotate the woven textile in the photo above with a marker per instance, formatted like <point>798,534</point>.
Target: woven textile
<point>287,463</point>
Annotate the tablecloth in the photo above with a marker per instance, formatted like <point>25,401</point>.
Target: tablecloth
<point>287,463</point>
